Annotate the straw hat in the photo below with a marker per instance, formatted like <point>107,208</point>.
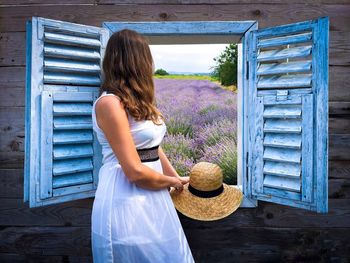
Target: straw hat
<point>206,197</point>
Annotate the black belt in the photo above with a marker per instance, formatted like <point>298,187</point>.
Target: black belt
<point>148,154</point>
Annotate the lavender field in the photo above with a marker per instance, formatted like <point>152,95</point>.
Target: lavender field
<point>201,125</point>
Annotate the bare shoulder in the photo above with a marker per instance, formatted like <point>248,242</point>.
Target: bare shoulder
<point>108,103</point>
<point>109,109</point>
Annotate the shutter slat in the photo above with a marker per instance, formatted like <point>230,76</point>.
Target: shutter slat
<point>72,179</point>
<point>70,79</point>
<point>285,40</point>
<point>285,81</point>
<point>72,166</point>
<point>292,141</point>
<point>291,170</point>
<point>285,67</point>
<point>71,52</point>
<point>289,53</point>
<point>73,97</point>
<point>72,137</point>
<point>72,151</point>
<point>74,123</point>
<point>284,194</point>
<point>282,126</point>
<point>289,184</point>
<point>68,109</point>
<point>71,40</point>
<point>282,155</point>
<point>282,111</point>
<point>59,65</point>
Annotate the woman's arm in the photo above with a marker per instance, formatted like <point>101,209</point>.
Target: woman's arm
<point>112,119</point>
<point>168,169</point>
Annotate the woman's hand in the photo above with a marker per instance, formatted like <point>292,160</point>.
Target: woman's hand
<point>184,179</point>
<point>177,184</point>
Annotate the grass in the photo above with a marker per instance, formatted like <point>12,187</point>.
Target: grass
<point>181,76</point>
<point>232,88</point>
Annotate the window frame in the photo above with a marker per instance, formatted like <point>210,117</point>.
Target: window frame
<point>205,33</point>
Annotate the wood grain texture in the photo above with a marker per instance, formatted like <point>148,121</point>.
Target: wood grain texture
<point>78,213</point>
<point>339,147</point>
<point>167,2</point>
<point>13,18</point>
<point>45,2</point>
<point>223,2</point>
<point>312,244</point>
<point>339,169</point>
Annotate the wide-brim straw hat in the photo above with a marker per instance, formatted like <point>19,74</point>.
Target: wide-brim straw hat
<point>206,197</point>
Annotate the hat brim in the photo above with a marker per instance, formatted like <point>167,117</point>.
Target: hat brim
<point>207,209</point>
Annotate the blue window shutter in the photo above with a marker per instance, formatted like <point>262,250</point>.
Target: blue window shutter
<point>288,114</point>
<point>62,153</point>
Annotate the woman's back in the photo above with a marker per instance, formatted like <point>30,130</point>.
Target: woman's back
<point>145,133</point>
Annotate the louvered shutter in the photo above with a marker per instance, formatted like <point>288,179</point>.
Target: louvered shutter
<point>288,115</point>
<point>62,154</point>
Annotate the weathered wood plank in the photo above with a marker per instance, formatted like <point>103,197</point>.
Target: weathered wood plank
<point>14,96</point>
<point>12,136</point>
<point>339,188</point>
<point>13,258</point>
<point>339,117</point>
<point>78,213</point>
<point>12,48</point>
<point>339,169</point>
<point>268,15</point>
<point>339,125</point>
<point>280,216</point>
<point>337,108</point>
<point>315,244</point>
<point>339,147</point>
<point>279,14</point>
<point>168,2</point>
<point>46,2</point>
<point>338,47</point>
<point>74,213</point>
<point>339,85</point>
<point>11,181</point>
<point>46,240</point>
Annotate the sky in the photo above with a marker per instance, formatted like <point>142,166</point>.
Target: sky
<point>195,58</point>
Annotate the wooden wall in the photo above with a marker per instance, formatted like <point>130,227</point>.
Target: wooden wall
<point>268,233</point>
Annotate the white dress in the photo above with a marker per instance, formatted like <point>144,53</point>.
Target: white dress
<point>130,223</point>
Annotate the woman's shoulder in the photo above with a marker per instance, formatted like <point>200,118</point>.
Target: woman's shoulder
<point>107,93</point>
<point>108,100</point>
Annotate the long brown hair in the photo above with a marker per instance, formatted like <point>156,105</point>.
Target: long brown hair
<point>127,71</point>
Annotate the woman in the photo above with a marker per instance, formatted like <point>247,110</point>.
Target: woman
<point>133,217</point>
